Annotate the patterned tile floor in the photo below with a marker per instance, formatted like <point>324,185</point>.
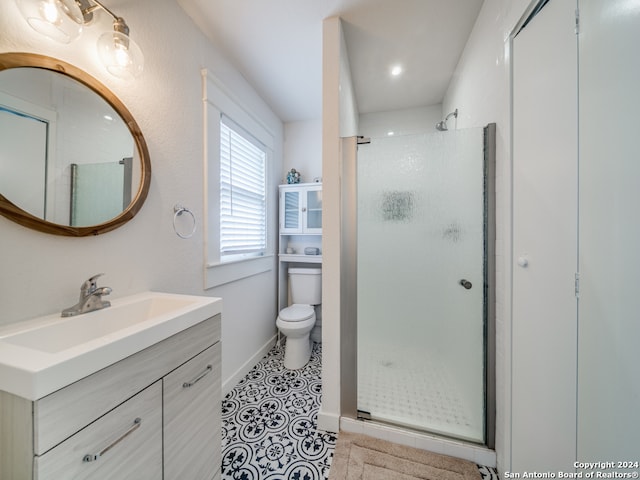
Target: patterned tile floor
<point>269,424</point>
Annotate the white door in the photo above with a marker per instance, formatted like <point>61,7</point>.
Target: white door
<point>544,324</point>
<point>23,160</point>
<point>609,328</point>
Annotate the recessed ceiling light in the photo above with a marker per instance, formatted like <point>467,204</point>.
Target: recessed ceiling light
<point>391,133</point>
<point>396,70</point>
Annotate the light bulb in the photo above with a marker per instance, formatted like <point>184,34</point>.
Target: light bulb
<point>120,55</point>
<point>60,20</point>
<point>50,12</point>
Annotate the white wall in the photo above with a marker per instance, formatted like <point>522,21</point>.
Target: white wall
<point>406,121</point>
<point>339,119</point>
<point>303,149</point>
<point>480,90</point>
<point>41,274</point>
<point>303,140</point>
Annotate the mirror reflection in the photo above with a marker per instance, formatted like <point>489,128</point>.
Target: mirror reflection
<point>66,155</point>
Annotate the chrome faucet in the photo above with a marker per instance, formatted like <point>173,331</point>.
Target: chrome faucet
<point>90,298</point>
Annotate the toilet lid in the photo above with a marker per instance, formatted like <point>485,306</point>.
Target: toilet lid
<point>296,313</point>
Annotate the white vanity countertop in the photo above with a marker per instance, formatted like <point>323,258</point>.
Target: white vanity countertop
<point>40,356</point>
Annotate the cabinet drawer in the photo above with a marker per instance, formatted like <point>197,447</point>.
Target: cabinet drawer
<point>126,449</point>
<point>192,418</point>
<point>61,414</point>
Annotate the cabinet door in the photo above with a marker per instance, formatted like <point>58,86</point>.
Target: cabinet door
<point>192,395</point>
<point>312,210</point>
<point>291,211</point>
<point>125,443</point>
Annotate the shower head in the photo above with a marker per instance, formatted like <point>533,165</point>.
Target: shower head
<point>442,125</point>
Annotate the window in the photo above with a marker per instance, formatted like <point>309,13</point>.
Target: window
<point>239,190</point>
<point>243,212</point>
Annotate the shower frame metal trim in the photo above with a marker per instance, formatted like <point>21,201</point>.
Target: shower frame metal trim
<point>348,282</point>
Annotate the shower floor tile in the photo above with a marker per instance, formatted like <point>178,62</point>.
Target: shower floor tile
<point>397,386</point>
<point>269,424</point>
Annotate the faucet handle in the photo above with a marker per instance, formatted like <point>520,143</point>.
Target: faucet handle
<point>89,285</point>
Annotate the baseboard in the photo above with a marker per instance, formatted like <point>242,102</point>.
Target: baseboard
<point>328,422</point>
<point>239,374</point>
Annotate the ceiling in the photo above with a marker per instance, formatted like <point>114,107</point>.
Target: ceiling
<point>277,46</point>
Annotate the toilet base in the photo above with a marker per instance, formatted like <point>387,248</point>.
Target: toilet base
<point>297,352</point>
<point>316,333</point>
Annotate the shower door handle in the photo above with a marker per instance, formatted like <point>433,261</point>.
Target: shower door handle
<point>466,284</point>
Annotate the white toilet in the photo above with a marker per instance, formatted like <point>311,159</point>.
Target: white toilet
<point>297,320</point>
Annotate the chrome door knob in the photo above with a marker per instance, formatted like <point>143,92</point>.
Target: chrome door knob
<point>523,262</point>
<point>466,284</point>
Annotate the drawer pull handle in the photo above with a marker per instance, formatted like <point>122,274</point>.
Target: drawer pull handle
<point>198,378</point>
<point>93,457</point>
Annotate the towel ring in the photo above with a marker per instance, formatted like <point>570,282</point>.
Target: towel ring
<point>178,211</point>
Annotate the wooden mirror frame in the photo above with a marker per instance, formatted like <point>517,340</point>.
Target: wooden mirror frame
<point>15,213</point>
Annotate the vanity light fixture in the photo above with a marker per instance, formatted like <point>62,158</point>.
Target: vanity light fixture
<point>63,21</point>
<point>60,20</point>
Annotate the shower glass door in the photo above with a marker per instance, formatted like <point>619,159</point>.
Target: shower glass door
<point>99,191</point>
<point>421,267</point>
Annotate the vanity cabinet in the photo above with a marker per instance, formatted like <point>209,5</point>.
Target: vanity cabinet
<point>153,415</point>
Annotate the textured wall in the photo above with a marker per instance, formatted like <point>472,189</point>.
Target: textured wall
<point>41,274</point>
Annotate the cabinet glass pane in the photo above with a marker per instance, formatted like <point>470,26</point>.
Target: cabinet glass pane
<point>291,209</point>
<point>314,209</point>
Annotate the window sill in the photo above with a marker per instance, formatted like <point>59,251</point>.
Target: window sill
<point>217,274</point>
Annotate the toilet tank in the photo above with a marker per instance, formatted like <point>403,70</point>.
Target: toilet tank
<point>305,285</point>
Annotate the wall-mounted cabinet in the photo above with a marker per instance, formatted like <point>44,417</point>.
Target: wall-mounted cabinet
<point>300,230</point>
<point>300,222</point>
<point>301,209</point>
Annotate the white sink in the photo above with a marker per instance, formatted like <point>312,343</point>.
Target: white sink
<point>40,356</point>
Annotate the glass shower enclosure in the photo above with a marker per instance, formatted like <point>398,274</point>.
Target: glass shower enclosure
<point>424,237</point>
<point>99,191</point>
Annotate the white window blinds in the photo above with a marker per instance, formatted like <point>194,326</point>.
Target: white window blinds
<point>243,212</point>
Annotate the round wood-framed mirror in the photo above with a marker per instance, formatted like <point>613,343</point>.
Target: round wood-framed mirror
<point>73,160</point>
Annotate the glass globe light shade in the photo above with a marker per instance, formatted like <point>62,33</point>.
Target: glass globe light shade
<point>120,55</point>
<point>60,20</point>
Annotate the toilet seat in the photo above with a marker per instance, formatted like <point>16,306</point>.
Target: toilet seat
<point>297,313</point>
